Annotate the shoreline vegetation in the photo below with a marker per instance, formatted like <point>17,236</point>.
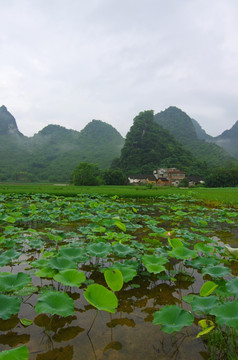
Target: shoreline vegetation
<point>227,196</point>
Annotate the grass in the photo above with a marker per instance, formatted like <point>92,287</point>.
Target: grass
<point>227,196</point>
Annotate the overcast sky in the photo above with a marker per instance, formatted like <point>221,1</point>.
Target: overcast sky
<point>67,62</point>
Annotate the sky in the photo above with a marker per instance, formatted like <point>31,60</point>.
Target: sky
<point>67,62</point>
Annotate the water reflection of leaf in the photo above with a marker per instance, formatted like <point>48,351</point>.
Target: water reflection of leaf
<point>57,322</point>
<point>115,345</point>
<point>123,321</point>
<point>13,339</point>
<point>64,353</point>
<point>67,333</point>
<point>8,324</point>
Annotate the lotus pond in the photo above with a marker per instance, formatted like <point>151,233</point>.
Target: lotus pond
<point>96,277</point>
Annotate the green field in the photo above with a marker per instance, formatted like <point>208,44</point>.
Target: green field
<point>227,196</point>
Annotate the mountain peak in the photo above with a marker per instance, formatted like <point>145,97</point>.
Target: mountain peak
<point>8,125</point>
<point>178,123</point>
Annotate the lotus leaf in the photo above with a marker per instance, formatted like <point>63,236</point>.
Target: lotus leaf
<point>208,288</point>
<point>182,252</point>
<point>232,286</point>
<point>227,314</point>
<point>99,249</point>
<point>123,250</point>
<point>20,353</point>
<point>55,302</point>
<point>128,272</point>
<point>46,272</point>
<point>154,264</point>
<point>61,263</point>
<point>10,282</point>
<point>70,277</point>
<point>204,248</point>
<point>114,279</point>
<point>172,318</point>
<point>76,253</point>
<point>10,305</point>
<point>231,251</point>
<point>26,322</point>
<point>100,297</point>
<point>204,304</point>
<point>216,271</point>
<point>120,225</point>
<point>175,243</point>
<point>201,261</point>
<point>206,325</point>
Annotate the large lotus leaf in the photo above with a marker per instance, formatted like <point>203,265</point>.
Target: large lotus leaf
<point>70,277</point>
<point>205,248</point>
<point>183,253</point>
<point>76,253</point>
<point>55,302</point>
<point>100,297</point>
<point>227,314</point>
<point>154,264</point>
<point>172,318</point>
<point>123,250</point>
<point>114,279</point>
<point>20,353</point>
<point>8,256</point>
<point>232,286</point>
<point>10,282</point>
<point>46,272</point>
<point>201,261</point>
<point>207,288</point>
<point>128,272</point>
<point>99,249</point>
<point>61,263</point>
<point>216,271</point>
<point>40,263</point>
<point>204,304</point>
<point>9,305</point>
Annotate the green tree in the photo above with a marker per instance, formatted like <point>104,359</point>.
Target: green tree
<point>87,174</point>
<point>114,177</point>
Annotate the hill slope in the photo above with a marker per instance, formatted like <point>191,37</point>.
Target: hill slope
<point>229,140</point>
<point>149,146</point>
<point>181,126</point>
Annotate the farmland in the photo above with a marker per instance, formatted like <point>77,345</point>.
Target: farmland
<point>94,275</point>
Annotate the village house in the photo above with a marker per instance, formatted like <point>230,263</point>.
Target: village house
<point>173,175</point>
<point>160,177</point>
<point>142,179</point>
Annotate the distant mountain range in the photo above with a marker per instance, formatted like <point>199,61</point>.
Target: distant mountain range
<point>55,151</point>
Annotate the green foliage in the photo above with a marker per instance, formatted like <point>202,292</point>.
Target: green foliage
<point>223,177</point>
<point>55,302</point>
<point>20,353</point>
<point>86,174</point>
<point>172,318</point>
<point>114,177</point>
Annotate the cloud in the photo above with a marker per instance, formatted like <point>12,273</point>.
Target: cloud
<point>70,62</point>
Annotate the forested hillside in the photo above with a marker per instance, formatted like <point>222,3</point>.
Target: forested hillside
<point>54,152</point>
<point>181,126</point>
<point>149,146</point>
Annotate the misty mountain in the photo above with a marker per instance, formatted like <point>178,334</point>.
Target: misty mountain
<point>8,125</point>
<point>189,133</point>
<point>54,152</point>
<point>228,140</point>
